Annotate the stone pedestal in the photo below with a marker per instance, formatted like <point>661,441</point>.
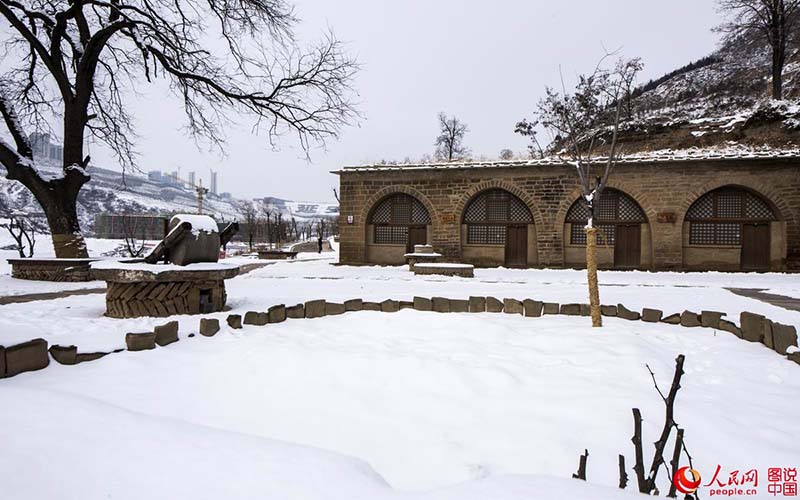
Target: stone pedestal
<point>72,270</point>
<point>276,254</point>
<point>136,290</point>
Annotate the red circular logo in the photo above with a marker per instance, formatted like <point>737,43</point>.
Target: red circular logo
<point>686,480</point>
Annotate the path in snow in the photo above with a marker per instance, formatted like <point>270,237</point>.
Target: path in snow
<point>790,303</point>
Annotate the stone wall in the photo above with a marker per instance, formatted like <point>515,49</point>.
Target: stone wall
<point>59,270</point>
<point>664,189</point>
<point>162,299</point>
<point>33,355</point>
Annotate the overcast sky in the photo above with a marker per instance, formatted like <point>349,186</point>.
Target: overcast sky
<point>485,62</point>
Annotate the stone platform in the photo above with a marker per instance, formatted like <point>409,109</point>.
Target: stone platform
<point>59,270</point>
<point>276,254</point>
<point>445,269</point>
<point>136,289</point>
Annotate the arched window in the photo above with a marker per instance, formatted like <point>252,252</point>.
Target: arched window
<point>488,215</point>
<point>716,218</point>
<point>614,208</point>
<point>395,215</point>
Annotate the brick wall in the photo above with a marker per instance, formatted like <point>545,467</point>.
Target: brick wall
<point>549,191</point>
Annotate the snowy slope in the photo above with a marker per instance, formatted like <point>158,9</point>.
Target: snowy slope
<point>110,192</point>
<point>719,100</point>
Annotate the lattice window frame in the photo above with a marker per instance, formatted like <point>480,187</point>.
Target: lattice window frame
<point>615,208</point>
<point>497,207</point>
<point>717,217</point>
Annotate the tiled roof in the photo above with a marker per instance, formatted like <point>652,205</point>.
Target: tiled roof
<point>650,157</point>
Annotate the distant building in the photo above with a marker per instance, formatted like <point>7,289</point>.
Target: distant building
<point>213,182</point>
<point>192,178</point>
<point>43,148</point>
<point>156,176</point>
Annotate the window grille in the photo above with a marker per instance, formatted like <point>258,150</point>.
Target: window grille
<point>716,218</point>
<point>614,207</point>
<point>486,234</point>
<point>394,215</point>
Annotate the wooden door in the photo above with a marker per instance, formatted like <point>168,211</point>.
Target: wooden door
<point>755,247</point>
<point>628,246</point>
<point>417,235</point>
<point>517,246</point>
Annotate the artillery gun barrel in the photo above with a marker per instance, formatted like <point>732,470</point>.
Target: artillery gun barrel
<point>170,240</point>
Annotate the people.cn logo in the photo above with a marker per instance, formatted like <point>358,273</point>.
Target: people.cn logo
<point>686,480</point>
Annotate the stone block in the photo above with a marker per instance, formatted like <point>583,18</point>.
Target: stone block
<point>550,308</point>
<point>672,319</point>
<point>512,306</point>
<point>277,313</point>
<point>752,326</point>
<point>532,308</point>
<point>166,333</point>
<point>440,304</point>
<point>795,356</point>
<point>234,321</point>
<point>477,304</point>
<point>710,319</point>
<point>610,311</point>
<point>625,313</point>
<point>406,304</point>
<point>297,311</point>
<point>390,306</point>
<point>209,327</point>
<point>2,362</point>
<point>459,305</point>
<point>89,356</point>
<point>423,304</point>
<point>255,318</point>
<point>493,305</point>
<point>690,319</point>
<point>783,336</point>
<point>768,333</point>
<point>372,306</point>
<point>26,357</point>
<point>586,310</point>
<point>140,341</point>
<point>333,309</point>
<point>315,308</point>
<point>64,355</point>
<point>728,326</point>
<point>570,309</point>
<point>652,315</point>
<point>354,305</point>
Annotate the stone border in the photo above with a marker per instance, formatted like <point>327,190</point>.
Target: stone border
<point>35,355</point>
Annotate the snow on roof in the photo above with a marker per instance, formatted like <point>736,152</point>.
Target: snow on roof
<point>732,152</point>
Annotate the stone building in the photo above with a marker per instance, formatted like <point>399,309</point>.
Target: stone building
<point>691,212</point>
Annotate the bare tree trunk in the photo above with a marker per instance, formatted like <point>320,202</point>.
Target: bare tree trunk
<point>638,467</point>
<point>623,475</point>
<point>59,205</point>
<point>581,474</point>
<point>777,72</point>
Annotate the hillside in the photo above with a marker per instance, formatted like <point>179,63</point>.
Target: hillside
<point>111,192</point>
<point>718,101</point>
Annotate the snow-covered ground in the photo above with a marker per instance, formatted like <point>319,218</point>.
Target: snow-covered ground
<point>404,405</point>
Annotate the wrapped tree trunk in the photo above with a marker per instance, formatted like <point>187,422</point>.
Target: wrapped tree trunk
<point>591,271</point>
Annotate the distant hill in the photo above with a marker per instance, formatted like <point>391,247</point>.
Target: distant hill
<point>111,192</point>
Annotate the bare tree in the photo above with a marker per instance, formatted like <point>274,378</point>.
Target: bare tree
<point>773,21</point>
<point>133,244</point>
<point>506,154</point>
<point>249,215</point>
<point>23,231</point>
<point>450,142</point>
<point>76,61</point>
<point>584,123</point>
